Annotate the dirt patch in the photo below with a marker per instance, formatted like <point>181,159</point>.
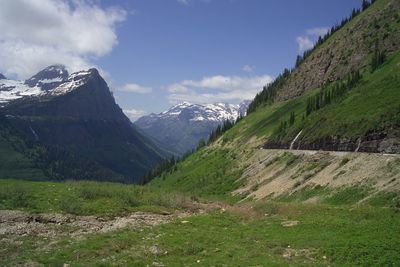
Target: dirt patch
<point>49,225</point>
<point>289,223</point>
<point>291,253</point>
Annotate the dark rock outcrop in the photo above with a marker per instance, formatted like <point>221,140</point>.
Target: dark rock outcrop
<point>82,118</point>
<point>379,141</point>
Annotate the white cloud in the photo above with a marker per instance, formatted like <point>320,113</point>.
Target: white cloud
<point>320,31</point>
<point>177,88</point>
<point>38,33</point>
<point>248,68</point>
<point>134,114</point>
<point>136,88</point>
<point>304,43</point>
<point>228,83</point>
<point>217,89</point>
<point>307,41</point>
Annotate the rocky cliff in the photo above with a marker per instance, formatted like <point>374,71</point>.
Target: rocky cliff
<point>348,49</point>
<point>77,114</point>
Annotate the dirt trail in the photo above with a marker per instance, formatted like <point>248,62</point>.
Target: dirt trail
<point>19,223</point>
<point>49,225</point>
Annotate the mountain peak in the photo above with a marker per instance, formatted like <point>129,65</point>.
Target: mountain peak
<point>183,125</point>
<point>2,77</point>
<point>183,104</point>
<point>48,78</point>
<point>51,81</point>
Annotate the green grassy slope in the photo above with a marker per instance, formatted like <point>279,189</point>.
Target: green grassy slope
<point>14,163</point>
<point>209,172</point>
<point>323,236</point>
<point>86,198</point>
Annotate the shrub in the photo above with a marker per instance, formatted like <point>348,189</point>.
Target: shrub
<point>70,205</point>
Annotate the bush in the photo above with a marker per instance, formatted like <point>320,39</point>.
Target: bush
<point>16,196</point>
<point>70,205</point>
<point>267,207</point>
<point>344,162</point>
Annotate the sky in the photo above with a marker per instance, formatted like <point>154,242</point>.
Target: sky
<point>157,53</point>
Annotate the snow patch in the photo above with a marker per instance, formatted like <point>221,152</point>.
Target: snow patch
<point>12,90</point>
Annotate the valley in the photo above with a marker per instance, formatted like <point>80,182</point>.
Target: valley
<point>305,174</point>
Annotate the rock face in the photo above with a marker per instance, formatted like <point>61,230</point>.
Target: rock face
<point>379,141</point>
<point>182,126</point>
<point>80,116</point>
<point>349,50</point>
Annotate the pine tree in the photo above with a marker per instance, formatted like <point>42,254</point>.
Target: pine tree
<point>292,118</point>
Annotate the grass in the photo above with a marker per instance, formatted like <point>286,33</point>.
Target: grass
<point>86,198</point>
<point>349,195</point>
<point>304,194</point>
<point>324,236</point>
<point>210,172</point>
<point>14,164</point>
<point>342,196</point>
<point>389,199</point>
<point>377,95</point>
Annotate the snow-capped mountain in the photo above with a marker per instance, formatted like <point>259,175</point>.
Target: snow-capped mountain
<point>77,114</point>
<point>53,80</point>
<point>218,112</point>
<point>182,126</point>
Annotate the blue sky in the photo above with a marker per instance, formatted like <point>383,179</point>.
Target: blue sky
<point>155,53</point>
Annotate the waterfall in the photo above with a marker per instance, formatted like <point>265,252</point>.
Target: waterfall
<point>34,133</point>
<point>359,145</point>
<point>295,139</point>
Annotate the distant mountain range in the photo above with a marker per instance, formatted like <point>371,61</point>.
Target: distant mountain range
<point>182,126</point>
<point>71,128</point>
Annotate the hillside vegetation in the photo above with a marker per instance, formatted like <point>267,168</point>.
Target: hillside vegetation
<point>358,110</point>
<point>262,192</point>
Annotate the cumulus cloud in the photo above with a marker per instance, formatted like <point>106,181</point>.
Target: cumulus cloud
<point>38,33</point>
<point>217,89</point>
<point>248,68</point>
<point>304,43</point>
<point>136,88</point>
<point>134,114</point>
<point>307,41</point>
<point>177,88</point>
<point>319,31</point>
<point>228,83</point>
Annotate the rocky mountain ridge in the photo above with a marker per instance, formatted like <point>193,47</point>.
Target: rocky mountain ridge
<point>76,115</point>
<point>182,126</point>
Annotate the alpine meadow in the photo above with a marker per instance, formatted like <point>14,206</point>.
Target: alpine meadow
<point>199,133</point>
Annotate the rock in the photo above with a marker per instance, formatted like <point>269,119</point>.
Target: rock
<point>289,224</point>
<point>154,250</point>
